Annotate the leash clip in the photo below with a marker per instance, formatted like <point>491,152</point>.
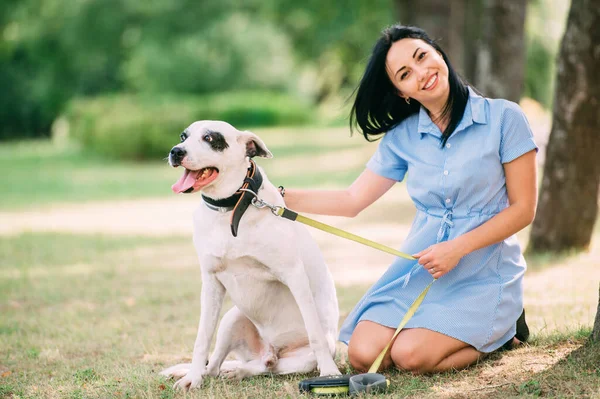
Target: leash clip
<point>260,203</point>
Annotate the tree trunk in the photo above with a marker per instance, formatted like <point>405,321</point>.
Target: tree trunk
<point>596,330</point>
<point>473,40</point>
<point>501,68</point>
<point>568,203</point>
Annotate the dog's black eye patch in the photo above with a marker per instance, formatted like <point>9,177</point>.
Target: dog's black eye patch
<point>216,140</point>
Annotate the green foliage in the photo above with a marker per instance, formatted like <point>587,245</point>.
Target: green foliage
<point>234,52</point>
<point>56,50</point>
<point>146,127</point>
<point>539,72</point>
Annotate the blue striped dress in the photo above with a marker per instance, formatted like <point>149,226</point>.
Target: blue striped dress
<point>455,189</point>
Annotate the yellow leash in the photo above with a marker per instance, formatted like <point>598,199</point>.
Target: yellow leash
<point>291,215</point>
<point>411,311</point>
<point>294,216</point>
<point>347,235</point>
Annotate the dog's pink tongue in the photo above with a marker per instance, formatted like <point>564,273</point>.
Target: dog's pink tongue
<point>186,181</point>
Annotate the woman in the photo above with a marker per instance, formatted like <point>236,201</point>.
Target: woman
<point>472,177</point>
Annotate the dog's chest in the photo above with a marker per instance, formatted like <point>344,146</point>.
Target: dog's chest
<point>213,237</point>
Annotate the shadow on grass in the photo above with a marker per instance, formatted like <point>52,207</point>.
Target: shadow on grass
<point>575,376</point>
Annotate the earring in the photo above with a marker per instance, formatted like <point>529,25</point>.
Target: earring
<point>407,99</point>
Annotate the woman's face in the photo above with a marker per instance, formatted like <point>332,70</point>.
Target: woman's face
<point>418,71</point>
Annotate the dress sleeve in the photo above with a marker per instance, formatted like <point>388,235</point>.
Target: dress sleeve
<point>516,136</point>
<point>387,161</point>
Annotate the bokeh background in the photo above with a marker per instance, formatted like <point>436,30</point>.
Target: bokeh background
<point>151,67</point>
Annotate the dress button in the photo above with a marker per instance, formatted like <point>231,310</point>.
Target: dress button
<point>448,145</point>
<point>446,173</point>
<point>447,200</point>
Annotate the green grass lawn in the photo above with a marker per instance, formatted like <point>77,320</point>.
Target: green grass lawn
<point>93,316</point>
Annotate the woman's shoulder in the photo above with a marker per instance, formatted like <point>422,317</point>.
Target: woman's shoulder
<point>502,107</point>
<point>407,125</point>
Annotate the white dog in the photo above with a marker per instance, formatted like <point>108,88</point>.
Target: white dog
<point>286,312</point>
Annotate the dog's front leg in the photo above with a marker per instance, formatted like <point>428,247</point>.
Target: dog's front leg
<point>211,298</point>
<point>297,281</point>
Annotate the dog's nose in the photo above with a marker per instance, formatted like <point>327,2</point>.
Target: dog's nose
<point>177,154</point>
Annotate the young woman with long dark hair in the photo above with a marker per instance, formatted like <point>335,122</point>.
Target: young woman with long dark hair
<point>471,173</point>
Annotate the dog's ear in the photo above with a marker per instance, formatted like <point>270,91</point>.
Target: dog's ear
<point>255,147</point>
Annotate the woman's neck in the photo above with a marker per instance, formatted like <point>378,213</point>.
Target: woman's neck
<point>436,112</point>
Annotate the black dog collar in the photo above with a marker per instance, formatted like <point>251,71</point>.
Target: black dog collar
<point>240,201</point>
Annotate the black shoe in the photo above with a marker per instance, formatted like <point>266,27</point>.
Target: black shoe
<point>522,329</point>
<point>522,333</point>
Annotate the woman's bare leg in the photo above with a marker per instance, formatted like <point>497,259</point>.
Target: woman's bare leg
<point>366,343</point>
<point>425,351</point>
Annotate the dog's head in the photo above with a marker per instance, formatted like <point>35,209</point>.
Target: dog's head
<point>214,154</point>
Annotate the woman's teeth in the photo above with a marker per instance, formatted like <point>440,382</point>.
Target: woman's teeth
<point>430,82</point>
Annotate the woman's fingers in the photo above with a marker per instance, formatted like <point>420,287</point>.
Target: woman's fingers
<point>420,254</point>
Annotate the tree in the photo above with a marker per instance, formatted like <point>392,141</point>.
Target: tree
<point>501,67</point>
<point>568,203</point>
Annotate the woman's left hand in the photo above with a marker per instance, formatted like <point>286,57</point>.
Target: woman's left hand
<point>440,258</point>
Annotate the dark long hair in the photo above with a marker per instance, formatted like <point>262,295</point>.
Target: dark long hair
<point>378,108</point>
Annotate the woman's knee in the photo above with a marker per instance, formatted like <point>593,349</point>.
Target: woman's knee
<point>366,343</point>
<point>361,355</point>
<point>409,357</point>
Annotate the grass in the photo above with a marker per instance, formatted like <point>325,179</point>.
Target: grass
<point>95,316</point>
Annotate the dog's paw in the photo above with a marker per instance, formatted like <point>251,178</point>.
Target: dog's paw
<point>235,373</point>
<point>176,371</point>
<point>191,380</point>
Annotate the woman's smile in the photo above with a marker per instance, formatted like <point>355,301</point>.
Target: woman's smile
<point>431,82</point>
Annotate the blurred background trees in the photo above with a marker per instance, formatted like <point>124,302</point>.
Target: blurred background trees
<point>55,53</point>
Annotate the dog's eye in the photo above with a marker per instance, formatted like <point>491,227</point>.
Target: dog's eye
<point>182,136</point>
<point>208,138</point>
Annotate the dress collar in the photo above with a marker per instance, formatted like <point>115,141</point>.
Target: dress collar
<point>474,113</point>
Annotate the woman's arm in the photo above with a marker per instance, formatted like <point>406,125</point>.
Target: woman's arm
<point>521,186</point>
<point>367,188</point>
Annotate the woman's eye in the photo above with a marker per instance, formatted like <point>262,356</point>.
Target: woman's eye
<point>422,55</point>
<point>404,75</point>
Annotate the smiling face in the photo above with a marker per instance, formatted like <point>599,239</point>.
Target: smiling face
<point>419,72</point>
